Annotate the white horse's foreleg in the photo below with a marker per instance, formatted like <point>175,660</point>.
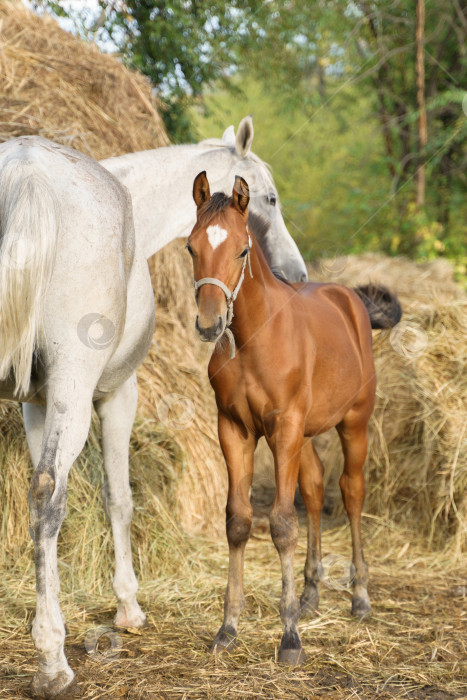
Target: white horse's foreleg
<point>67,421</point>
<point>117,413</point>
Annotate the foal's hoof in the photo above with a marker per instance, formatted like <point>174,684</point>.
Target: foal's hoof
<point>61,686</point>
<point>361,606</point>
<point>225,640</point>
<point>291,657</point>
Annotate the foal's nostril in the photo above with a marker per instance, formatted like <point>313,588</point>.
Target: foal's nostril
<point>209,333</point>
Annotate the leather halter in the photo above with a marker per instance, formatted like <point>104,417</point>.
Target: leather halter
<point>229,296</point>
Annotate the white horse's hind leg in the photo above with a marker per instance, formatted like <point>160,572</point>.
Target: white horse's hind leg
<point>117,413</point>
<point>34,421</point>
<point>66,427</point>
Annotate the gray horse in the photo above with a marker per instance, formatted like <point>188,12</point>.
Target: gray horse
<point>160,182</point>
<point>76,320</point>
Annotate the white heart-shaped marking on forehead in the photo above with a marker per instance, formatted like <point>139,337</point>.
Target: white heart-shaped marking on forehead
<point>216,235</point>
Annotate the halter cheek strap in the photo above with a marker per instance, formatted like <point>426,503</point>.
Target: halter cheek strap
<point>229,296</point>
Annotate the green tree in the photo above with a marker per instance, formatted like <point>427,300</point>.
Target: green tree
<point>183,46</point>
<point>307,54</point>
<point>387,33</point>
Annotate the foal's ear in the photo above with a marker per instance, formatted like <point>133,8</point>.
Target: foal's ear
<point>201,191</point>
<point>240,194</point>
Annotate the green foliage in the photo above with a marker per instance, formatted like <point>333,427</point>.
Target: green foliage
<point>333,85</point>
<point>329,169</point>
<point>182,46</point>
<point>336,192</point>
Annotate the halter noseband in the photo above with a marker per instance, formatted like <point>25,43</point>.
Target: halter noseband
<point>229,296</point>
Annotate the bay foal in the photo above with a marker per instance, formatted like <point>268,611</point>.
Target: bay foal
<point>298,362</point>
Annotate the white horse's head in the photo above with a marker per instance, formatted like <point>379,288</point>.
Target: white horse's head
<point>278,246</point>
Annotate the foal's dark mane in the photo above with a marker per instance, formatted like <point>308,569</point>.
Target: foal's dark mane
<point>219,202</point>
<point>216,205</point>
<point>257,224</point>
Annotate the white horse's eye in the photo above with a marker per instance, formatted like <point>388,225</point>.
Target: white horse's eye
<point>272,199</point>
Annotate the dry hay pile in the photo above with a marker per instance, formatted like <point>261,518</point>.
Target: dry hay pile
<point>417,464</point>
<point>59,87</point>
<point>53,85</point>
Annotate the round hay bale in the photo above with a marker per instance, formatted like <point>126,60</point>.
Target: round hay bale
<point>59,87</point>
<point>55,85</point>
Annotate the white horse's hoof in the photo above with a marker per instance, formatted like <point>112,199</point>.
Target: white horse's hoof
<point>130,618</point>
<point>59,686</point>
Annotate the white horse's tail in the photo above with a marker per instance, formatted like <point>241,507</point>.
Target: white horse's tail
<point>29,223</point>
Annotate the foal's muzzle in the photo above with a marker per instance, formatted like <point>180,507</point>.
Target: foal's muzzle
<point>209,334</point>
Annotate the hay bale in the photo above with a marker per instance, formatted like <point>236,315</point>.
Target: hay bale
<point>417,459</point>
<point>416,470</point>
<point>55,85</point>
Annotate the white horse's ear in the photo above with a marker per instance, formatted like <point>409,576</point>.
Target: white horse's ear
<point>201,192</point>
<point>244,136</point>
<point>228,136</point>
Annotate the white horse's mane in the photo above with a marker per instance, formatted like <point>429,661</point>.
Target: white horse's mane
<point>213,143</point>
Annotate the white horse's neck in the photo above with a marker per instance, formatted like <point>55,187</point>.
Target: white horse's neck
<point>163,211</point>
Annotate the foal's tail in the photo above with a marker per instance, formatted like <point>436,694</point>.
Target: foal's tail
<point>29,222</point>
<point>382,305</point>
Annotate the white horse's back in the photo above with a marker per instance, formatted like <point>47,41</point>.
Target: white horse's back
<point>67,250</point>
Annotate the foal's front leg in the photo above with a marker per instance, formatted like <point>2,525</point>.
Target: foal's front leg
<point>238,449</point>
<point>286,443</point>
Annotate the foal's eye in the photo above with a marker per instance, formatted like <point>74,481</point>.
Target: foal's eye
<point>245,252</point>
<point>189,249</point>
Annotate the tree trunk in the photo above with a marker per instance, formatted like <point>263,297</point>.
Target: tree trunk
<point>422,128</point>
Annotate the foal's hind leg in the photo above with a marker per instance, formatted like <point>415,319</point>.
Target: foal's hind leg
<point>117,413</point>
<point>352,433</point>
<point>311,488</point>
<point>238,450</point>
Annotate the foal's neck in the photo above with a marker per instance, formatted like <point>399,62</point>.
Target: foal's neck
<point>257,299</point>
